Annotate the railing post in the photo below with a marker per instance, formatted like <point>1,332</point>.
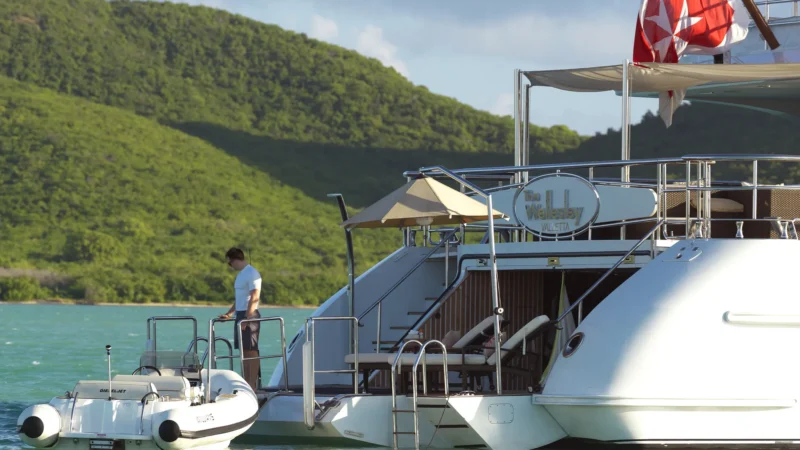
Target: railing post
<point>378,341</point>
<point>688,198</point>
<point>755,187</point>
<point>210,358</point>
<point>496,310</point>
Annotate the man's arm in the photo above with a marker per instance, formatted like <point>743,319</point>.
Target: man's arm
<point>253,302</point>
<point>229,314</point>
<point>255,294</point>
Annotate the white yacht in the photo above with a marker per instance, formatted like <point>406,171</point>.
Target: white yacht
<point>646,310</point>
<point>652,310</point>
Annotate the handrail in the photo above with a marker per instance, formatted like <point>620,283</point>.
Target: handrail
<point>213,364</point>
<point>242,359</point>
<point>313,337</point>
<point>394,394</point>
<point>408,274</point>
<point>608,163</point>
<point>608,272</point>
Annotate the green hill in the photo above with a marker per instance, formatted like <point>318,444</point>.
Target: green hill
<point>113,207</point>
<point>168,133</point>
<point>181,64</point>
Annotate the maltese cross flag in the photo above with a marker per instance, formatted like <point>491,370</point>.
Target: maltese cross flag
<point>668,29</point>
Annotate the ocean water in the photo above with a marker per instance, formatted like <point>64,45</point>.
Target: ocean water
<point>46,349</point>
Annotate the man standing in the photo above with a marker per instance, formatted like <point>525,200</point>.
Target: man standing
<point>247,289</point>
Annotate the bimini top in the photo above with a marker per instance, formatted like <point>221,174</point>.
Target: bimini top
<point>768,86</point>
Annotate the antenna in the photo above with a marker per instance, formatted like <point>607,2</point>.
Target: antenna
<point>108,354</point>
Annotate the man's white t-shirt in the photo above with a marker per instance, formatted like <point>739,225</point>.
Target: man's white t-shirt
<point>247,280</point>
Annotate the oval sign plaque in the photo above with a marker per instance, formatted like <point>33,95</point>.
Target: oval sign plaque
<point>558,204</point>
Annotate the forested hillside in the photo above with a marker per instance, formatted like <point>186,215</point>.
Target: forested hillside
<point>139,140</point>
<point>109,206</point>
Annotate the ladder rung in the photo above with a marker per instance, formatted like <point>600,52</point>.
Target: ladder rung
<point>403,410</point>
<point>403,432</point>
<point>431,298</point>
<point>416,313</point>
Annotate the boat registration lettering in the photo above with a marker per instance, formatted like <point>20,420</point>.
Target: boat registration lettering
<point>206,418</point>
<point>114,391</point>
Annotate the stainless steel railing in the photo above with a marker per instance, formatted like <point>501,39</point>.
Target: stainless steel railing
<point>697,178</point>
<point>213,357</point>
<point>311,336</point>
<point>767,3</point>
<point>282,354</point>
<point>213,364</point>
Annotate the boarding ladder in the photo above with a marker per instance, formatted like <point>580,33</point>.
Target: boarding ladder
<point>396,365</point>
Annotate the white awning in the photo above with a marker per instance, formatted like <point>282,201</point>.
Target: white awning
<point>660,77</point>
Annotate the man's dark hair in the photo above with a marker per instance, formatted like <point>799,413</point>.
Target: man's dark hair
<point>235,253</point>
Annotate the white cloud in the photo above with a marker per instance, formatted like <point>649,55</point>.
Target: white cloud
<point>323,29</point>
<point>372,43</point>
<point>535,39</point>
<point>503,105</point>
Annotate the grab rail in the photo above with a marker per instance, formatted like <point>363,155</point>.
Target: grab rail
<point>580,299</point>
<point>242,359</point>
<point>213,364</point>
<point>313,336</point>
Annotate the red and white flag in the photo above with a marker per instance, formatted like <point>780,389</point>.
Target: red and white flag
<point>668,29</point>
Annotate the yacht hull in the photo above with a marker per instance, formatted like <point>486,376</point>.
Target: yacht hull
<point>465,421</point>
<point>696,423</point>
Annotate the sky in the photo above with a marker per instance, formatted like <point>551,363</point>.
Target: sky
<point>468,49</point>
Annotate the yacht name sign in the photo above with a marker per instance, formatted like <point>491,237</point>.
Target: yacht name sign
<point>558,204</point>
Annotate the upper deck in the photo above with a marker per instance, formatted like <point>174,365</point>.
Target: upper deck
<point>579,201</point>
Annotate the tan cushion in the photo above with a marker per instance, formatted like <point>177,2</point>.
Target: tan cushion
<point>369,358</point>
<point>451,338</point>
<point>437,359</point>
<point>724,205</point>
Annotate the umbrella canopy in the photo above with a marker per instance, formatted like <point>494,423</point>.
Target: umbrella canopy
<point>423,201</point>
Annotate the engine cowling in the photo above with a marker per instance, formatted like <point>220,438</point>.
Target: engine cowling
<point>39,426</point>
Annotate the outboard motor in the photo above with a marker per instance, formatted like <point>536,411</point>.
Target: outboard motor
<point>39,425</point>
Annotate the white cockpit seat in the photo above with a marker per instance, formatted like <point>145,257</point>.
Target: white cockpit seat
<point>177,388</point>
<point>120,389</point>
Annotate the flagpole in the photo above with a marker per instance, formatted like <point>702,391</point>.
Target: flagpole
<point>761,24</point>
<point>517,132</point>
<point>625,130</point>
<point>625,176</point>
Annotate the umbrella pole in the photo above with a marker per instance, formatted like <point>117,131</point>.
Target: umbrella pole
<point>495,297</point>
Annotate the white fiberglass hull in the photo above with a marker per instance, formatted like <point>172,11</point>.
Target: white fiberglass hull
<point>694,348</point>
<point>688,421</point>
<point>497,422</point>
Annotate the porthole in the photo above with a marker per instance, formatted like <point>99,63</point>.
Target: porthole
<point>573,344</point>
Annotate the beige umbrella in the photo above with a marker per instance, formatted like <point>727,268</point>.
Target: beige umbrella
<point>423,201</point>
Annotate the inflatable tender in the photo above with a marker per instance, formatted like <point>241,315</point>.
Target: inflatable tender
<point>157,410</point>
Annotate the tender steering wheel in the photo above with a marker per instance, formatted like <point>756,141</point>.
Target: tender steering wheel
<point>139,369</point>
